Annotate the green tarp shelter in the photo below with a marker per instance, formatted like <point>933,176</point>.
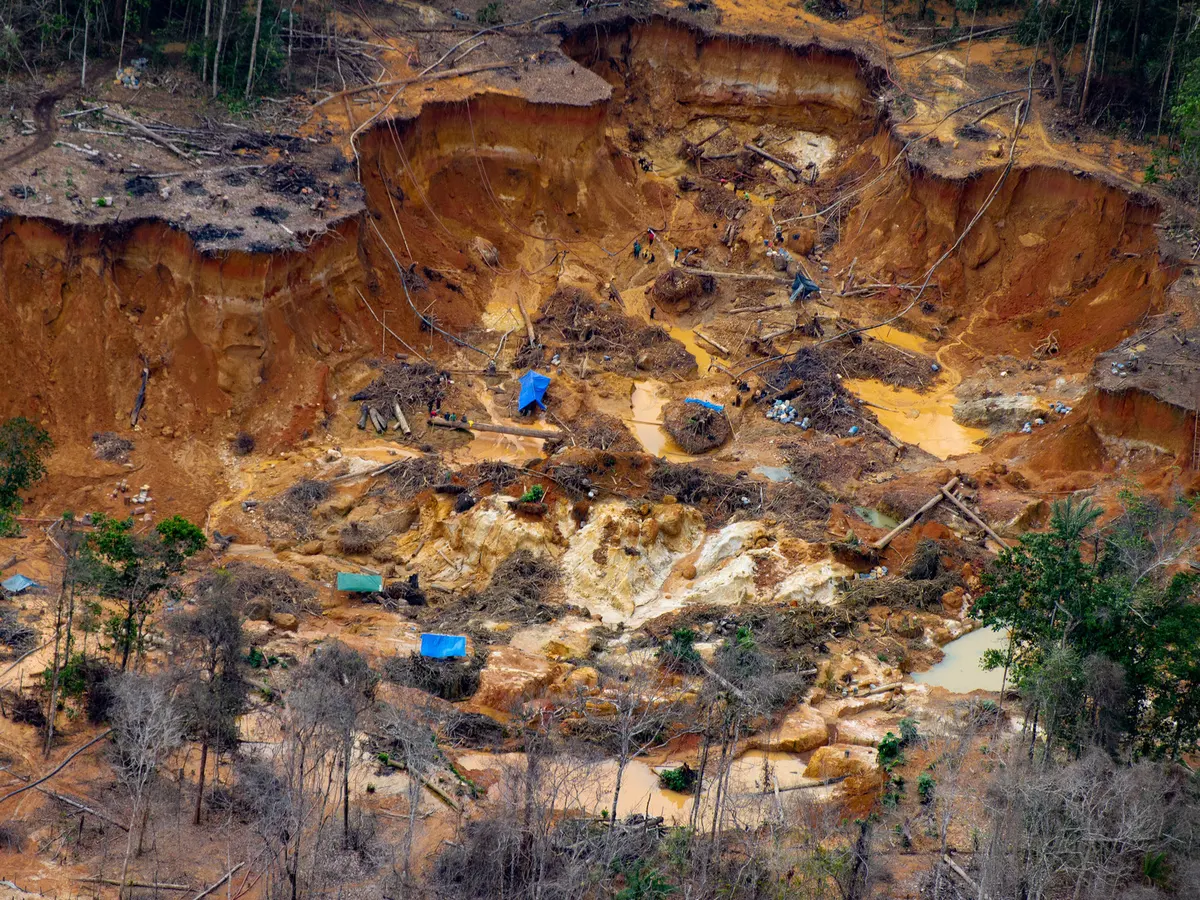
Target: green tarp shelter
<point>360,584</point>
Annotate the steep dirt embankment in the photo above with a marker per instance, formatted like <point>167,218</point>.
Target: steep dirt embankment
<point>1139,417</point>
<point>244,336</point>
<point>680,73</point>
<point>1053,253</point>
<point>515,173</point>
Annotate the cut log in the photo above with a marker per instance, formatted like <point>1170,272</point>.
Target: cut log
<point>401,422</point>
<point>528,322</point>
<point>882,689</point>
<point>545,434</point>
<point>973,516</point>
<point>362,417</point>
<point>704,337</point>
<point>929,504</point>
<point>377,421</point>
<point>783,164</point>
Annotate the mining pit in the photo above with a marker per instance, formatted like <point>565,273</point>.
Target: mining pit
<point>625,208</point>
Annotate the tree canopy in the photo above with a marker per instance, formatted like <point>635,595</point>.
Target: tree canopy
<point>23,447</point>
<point>1105,639</point>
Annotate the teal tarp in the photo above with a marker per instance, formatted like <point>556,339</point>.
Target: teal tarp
<point>362,584</point>
<point>443,646</point>
<point>18,583</point>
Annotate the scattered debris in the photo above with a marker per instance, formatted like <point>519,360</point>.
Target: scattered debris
<point>111,447</point>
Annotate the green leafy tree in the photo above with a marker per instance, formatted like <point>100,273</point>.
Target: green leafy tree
<point>1105,644</point>
<point>23,447</point>
<point>135,569</point>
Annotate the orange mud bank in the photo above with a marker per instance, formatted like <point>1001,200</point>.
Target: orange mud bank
<point>1055,254</point>
<point>1140,418</point>
<point>240,336</point>
<point>264,341</point>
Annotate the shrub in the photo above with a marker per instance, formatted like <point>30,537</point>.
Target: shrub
<point>681,780</point>
<point>679,654</point>
<point>889,752</point>
<point>243,444</point>
<point>492,14</point>
<point>925,787</point>
<point>534,494</point>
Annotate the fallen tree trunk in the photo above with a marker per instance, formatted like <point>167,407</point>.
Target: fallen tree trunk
<point>99,814</point>
<point>528,321</point>
<point>704,337</point>
<point>958,40</point>
<point>929,504</point>
<point>62,765</point>
<point>462,424</point>
<point>141,398</point>
<point>204,893</point>
<point>155,885</point>
<point>971,514</point>
<point>958,870</point>
<point>744,276</point>
<point>783,164</point>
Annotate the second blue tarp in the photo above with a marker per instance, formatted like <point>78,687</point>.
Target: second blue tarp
<point>533,389</point>
<point>443,646</point>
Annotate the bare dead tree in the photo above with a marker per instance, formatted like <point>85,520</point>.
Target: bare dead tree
<point>146,727</point>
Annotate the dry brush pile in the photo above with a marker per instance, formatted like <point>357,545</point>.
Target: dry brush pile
<point>578,325</point>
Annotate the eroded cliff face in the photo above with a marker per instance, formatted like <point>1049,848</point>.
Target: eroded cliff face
<point>240,335</point>
<point>682,73</point>
<point>261,341</point>
<point>1054,253</point>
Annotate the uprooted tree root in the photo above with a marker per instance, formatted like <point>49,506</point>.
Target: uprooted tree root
<point>881,362</point>
<point>696,429</point>
<point>357,538</point>
<point>294,506</point>
<point>412,386</point>
<point>678,286</point>
<point>793,635</point>
<point>522,585</point>
<point>808,380</point>
<point>582,326</point>
<point>449,679</point>
<point>799,505</point>
<point>111,447</point>
<point>250,582</point>
<point>899,592</point>
<point>412,476</point>
<point>598,431</point>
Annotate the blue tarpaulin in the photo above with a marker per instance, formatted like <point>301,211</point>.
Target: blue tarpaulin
<point>18,583</point>
<point>533,389</point>
<point>362,584</point>
<point>443,646</point>
<point>715,407</point>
